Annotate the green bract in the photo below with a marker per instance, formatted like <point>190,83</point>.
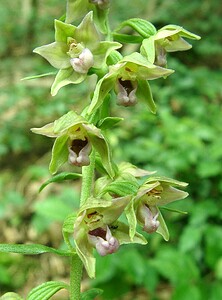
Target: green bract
<point>167,39</point>
<point>97,226</point>
<point>74,139</point>
<point>155,192</point>
<point>129,79</point>
<point>75,51</point>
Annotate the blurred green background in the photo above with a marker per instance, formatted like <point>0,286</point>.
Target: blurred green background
<point>182,141</point>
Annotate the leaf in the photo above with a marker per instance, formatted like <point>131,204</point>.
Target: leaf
<point>31,249</point>
<point>60,177</point>
<point>109,122</point>
<point>174,210</point>
<point>126,38</point>
<point>11,296</point>
<point>68,228</point>
<point>38,76</point>
<point>91,294</point>
<point>46,290</point>
<point>143,27</point>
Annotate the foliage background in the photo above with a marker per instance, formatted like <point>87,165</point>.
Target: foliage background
<point>183,141</point>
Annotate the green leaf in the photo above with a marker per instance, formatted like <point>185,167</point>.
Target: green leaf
<point>174,210</point>
<point>11,296</point>
<point>59,153</point>
<point>143,27</point>
<point>68,228</point>
<point>38,76</point>
<point>109,122</point>
<point>60,177</point>
<point>91,294</point>
<point>128,39</point>
<point>46,290</point>
<point>31,249</point>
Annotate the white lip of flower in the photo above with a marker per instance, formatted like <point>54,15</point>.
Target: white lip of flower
<point>104,244</point>
<point>151,223</point>
<point>84,62</point>
<point>79,158</point>
<point>126,93</point>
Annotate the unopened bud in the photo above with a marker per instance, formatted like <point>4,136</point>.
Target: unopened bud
<point>102,4</point>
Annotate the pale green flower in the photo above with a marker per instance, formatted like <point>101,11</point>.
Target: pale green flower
<point>75,51</point>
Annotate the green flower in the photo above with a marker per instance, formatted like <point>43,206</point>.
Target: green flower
<point>129,79</point>
<point>170,38</point>
<point>155,192</point>
<point>75,51</point>
<point>74,140</point>
<point>97,227</point>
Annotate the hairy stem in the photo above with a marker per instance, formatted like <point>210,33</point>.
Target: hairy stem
<point>76,267</point>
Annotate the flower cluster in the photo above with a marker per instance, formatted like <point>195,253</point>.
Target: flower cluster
<point>79,52</point>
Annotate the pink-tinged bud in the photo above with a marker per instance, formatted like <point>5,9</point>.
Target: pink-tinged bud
<point>84,62</point>
<point>126,92</point>
<point>103,241</point>
<point>79,153</point>
<point>148,218</point>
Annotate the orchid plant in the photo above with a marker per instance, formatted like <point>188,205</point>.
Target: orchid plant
<point>109,191</point>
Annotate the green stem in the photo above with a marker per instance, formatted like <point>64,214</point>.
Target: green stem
<point>87,179</point>
<point>76,267</point>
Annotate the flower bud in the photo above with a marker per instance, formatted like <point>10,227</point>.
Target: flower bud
<point>84,62</point>
<point>79,153</point>
<point>103,241</point>
<point>126,92</point>
<point>102,4</point>
<point>148,218</point>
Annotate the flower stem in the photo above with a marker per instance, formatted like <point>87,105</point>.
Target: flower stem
<point>87,179</point>
<point>76,267</point>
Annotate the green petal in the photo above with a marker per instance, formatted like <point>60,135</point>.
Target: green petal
<point>171,194</point>
<point>63,31</point>
<point>87,33</point>
<point>55,54</point>
<point>65,77</point>
<point>59,153</point>
<point>167,180</point>
<point>121,233</point>
<point>177,45</point>
<point>103,50</point>
<point>144,94</point>
<point>162,229</point>
<point>103,87</point>
<point>172,29</point>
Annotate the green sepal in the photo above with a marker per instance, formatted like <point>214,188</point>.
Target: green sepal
<point>182,32</point>
<point>68,229</point>
<point>38,76</point>
<point>143,27</point>
<point>101,53</point>
<point>132,220</point>
<point>147,49</point>
<point>100,144</point>
<point>11,296</point>
<point>145,94</point>
<point>46,290</point>
<point>127,39</point>
<point>31,249</point>
<point>59,153</point>
<point>109,122</point>
<point>60,177</point>
<point>67,121</point>
<point>91,294</point>
<point>55,54</point>
<point>162,229</point>
<point>167,180</point>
